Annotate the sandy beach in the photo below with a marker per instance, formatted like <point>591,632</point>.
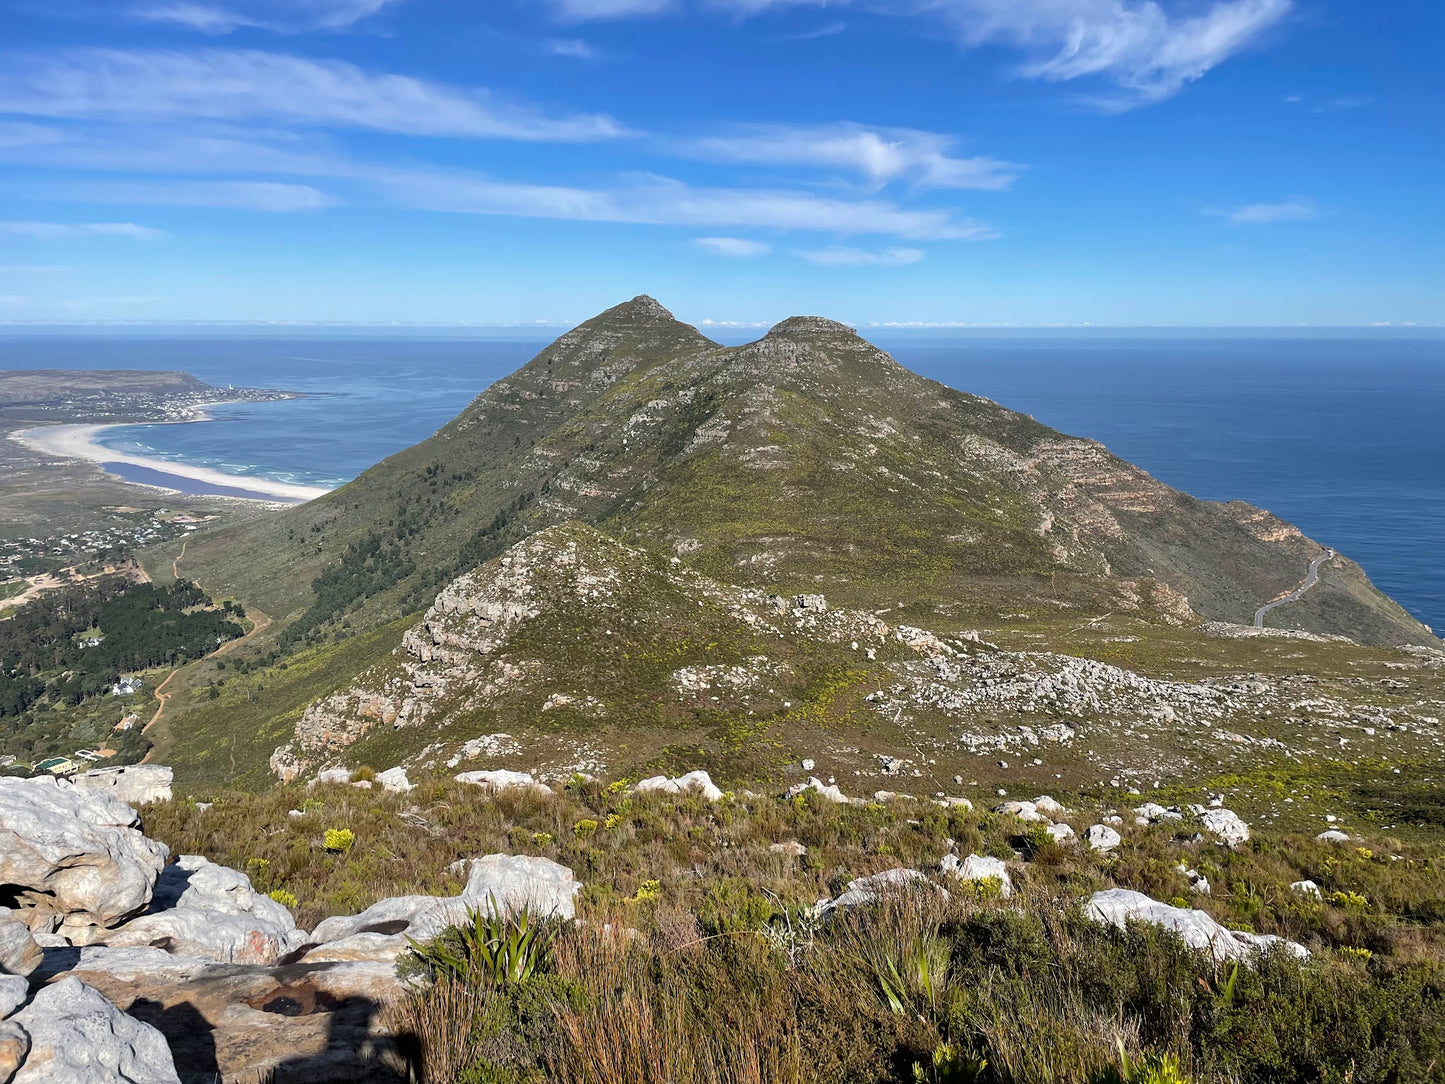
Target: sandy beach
<point>78,442</point>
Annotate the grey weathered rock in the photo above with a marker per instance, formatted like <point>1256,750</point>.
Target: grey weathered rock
<point>202,909</point>
<point>1153,813</point>
<point>1024,811</point>
<point>792,848</point>
<point>978,867</point>
<point>865,890</point>
<point>78,1037</point>
<point>698,781</point>
<point>76,854</point>
<point>19,954</point>
<point>14,1046</point>
<point>832,793</point>
<point>134,784</point>
<point>1061,833</point>
<point>14,992</point>
<point>1120,906</point>
<point>332,775</point>
<point>1102,838</point>
<point>1333,835</point>
<point>501,779</point>
<point>1224,824</point>
<point>510,882</point>
<point>1049,807</point>
<point>394,780</point>
<point>1305,888</point>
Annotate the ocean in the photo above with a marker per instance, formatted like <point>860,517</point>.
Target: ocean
<point>1340,435</point>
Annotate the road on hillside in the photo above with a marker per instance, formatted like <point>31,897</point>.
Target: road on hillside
<point>1293,596</point>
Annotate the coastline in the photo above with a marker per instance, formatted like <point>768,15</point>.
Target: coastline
<point>78,441</point>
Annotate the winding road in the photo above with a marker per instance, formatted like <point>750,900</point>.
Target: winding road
<point>1294,596</point>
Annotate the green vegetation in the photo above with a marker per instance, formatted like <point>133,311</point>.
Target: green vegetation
<point>727,978</point>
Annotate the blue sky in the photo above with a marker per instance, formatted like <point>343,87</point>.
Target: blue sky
<point>885,162</point>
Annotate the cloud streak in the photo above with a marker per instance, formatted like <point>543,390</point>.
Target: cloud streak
<point>59,231</point>
<point>736,248</point>
<point>843,256</point>
<point>245,85</point>
<point>879,155</point>
<point>1294,209</point>
<point>281,16</point>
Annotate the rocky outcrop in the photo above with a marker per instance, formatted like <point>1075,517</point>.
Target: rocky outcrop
<point>202,909</point>
<point>134,784</point>
<point>77,856</point>
<point>501,779</point>
<point>1120,906</point>
<point>77,1036</point>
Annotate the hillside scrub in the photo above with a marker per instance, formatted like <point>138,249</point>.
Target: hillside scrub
<point>728,979</point>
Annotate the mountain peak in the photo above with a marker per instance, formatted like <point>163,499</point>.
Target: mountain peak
<point>642,309</point>
<point>811,328</point>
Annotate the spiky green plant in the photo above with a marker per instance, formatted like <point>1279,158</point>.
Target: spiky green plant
<point>489,946</point>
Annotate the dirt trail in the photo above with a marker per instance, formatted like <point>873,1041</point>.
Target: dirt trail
<point>175,571</point>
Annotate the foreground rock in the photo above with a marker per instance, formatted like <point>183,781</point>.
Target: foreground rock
<point>77,856</point>
<point>866,890</point>
<point>239,1024</point>
<point>979,869</point>
<point>134,784</point>
<point>501,779</point>
<point>1120,906</point>
<point>202,909</point>
<point>77,1036</point>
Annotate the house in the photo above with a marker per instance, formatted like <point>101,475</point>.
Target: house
<point>126,687</point>
<point>127,723</point>
<point>57,766</point>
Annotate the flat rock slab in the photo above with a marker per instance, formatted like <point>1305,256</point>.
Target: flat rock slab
<point>307,1023</point>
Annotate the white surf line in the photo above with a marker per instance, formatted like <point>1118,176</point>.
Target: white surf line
<point>79,442</point>
<point>1294,596</point>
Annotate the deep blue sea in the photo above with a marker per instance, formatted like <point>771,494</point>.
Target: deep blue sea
<point>1344,436</point>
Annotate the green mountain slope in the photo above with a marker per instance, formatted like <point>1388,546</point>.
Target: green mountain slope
<point>808,460</point>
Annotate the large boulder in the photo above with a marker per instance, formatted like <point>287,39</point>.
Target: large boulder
<point>205,910</point>
<point>1224,824</point>
<point>829,791</point>
<point>1102,838</point>
<point>14,1046</point>
<point>978,868</point>
<point>1120,906</point>
<point>866,890</point>
<point>77,856</point>
<point>682,784</point>
<point>19,954</point>
<point>14,992</point>
<point>505,882</point>
<point>134,784</point>
<point>78,1037</point>
<point>501,779</point>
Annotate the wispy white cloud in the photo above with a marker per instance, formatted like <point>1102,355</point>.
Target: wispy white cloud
<point>843,256</point>
<point>240,85</point>
<point>662,201</point>
<point>880,155</point>
<point>237,195</point>
<point>282,16</point>
<point>575,48</point>
<point>1149,48</point>
<point>735,247</point>
<point>58,231</point>
<point>1294,209</point>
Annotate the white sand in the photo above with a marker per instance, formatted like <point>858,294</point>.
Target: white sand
<point>78,442</point>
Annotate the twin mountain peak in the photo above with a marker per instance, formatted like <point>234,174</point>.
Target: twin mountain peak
<point>806,462</point>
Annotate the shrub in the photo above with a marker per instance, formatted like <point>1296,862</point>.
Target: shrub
<point>338,840</point>
<point>585,828</point>
<point>284,898</point>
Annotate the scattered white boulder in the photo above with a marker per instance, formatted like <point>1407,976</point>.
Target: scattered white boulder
<point>807,764</point>
<point>682,784</point>
<point>1047,806</point>
<point>501,779</point>
<point>498,881</point>
<point>134,784</point>
<point>1333,835</point>
<point>959,803</point>
<point>792,848</point>
<point>19,954</point>
<point>78,1037</point>
<point>77,855</point>
<point>866,890</point>
<point>1153,813</point>
<point>1120,906</point>
<point>205,910</point>
<point>978,867</point>
<point>1224,824</point>
<point>1061,833</point>
<point>1102,838</point>
<point>394,780</point>
<point>331,775</point>
<point>830,792</point>
<point>1306,888</point>
<point>1024,811</point>
<point>1198,883</point>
